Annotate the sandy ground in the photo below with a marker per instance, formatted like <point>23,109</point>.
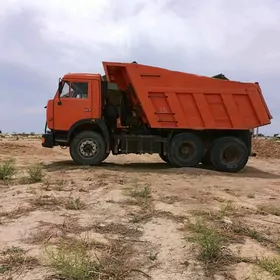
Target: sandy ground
<point>145,206</point>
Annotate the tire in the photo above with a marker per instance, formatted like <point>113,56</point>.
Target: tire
<point>106,155</point>
<point>81,145</point>
<point>229,154</point>
<point>164,157</point>
<point>185,150</point>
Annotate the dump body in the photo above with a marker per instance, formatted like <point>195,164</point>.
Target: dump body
<point>171,99</point>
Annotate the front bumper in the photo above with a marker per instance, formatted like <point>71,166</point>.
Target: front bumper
<point>48,140</point>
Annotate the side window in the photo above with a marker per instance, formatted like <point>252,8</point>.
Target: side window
<point>79,90</point>
<point>74,90</point>
<point>65,90</point>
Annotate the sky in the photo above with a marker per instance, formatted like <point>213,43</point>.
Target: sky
<point>43,40</point>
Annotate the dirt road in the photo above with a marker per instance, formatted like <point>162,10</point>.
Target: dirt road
<point>133,217</point>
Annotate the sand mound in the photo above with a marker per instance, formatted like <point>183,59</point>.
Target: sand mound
<point>267,148</point>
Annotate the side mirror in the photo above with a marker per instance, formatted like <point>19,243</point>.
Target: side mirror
<point>60,86</point>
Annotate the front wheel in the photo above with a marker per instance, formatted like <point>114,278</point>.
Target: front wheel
<point>229,154</point>
<point>106,155</point>
<point>88,148</point>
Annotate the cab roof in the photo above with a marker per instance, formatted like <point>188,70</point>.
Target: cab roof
<point>82,76</point>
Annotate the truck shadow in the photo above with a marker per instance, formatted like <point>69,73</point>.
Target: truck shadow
<point>161,168</point>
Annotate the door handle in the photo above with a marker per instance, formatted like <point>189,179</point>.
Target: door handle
<point>87,110</point>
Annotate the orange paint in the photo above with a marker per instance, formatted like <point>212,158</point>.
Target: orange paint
<point>172,99</point>
<point>166,99</point>
<point>62,113</point>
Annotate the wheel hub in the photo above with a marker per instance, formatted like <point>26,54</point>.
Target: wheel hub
<point>231,156</point>
<point>186,150</point>
<point>88,148</point>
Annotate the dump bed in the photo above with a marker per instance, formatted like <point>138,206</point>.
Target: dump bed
<point>171,99</point>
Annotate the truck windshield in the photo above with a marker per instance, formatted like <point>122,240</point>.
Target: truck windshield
<point>65,90</point>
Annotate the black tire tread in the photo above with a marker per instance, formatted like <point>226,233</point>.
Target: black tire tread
<point>91,161</point>
<point>106,156</point>
<point>216,149</point>
<point>175,141</point>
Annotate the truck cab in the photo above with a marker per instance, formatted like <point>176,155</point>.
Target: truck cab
<point>78,97</point>
<point>77,104</point>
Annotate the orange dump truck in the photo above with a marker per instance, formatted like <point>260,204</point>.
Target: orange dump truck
<point>186,119</point>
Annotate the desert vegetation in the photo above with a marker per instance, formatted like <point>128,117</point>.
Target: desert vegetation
<point>133,217</point>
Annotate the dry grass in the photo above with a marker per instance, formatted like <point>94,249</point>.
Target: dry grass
<point>170,216</point>
<point>141,195</point>
<point>116,228</point>
<point>60,182</point>
<point>228,221</point>
<point>212,248</point>
<point>209,241</point>
<point>216,242</point>
<point>142,216</point>
<point>46,186</point>
<point>40,237</point>
<point>71,261</point>
<point>269,209</point>
<point>251,195</point>
<point>35,173</point>
<point>18,212</point>
<point>214,236</point>
<point>271,265</point>
<point>75,204</point>
<point>57,185</point>
<point>239,229</point>
<point>45,201</point>
<point>15,258</point>
<point>144,192</point>
<point>50,201</point>
<point>7,170</point>
<point>76,261</point>
<point>70,225</point>
<point>227,209</point>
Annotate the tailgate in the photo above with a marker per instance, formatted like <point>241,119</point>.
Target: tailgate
<point>264,103</point>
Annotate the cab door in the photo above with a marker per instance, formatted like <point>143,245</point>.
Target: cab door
<point>73,104</point>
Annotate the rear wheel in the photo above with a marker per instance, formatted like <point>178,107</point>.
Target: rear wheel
<point>185,150</point>
<point>229,154</point>
<point>88,148</point>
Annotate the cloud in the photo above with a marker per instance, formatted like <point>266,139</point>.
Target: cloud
<point>44,40</point>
